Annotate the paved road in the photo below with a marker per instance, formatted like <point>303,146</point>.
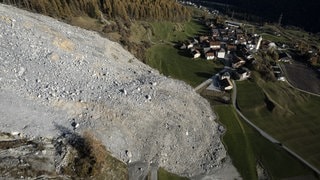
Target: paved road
<point>266,135</point>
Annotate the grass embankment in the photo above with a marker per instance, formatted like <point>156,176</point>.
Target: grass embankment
<point>165,175</point>
<point>172,61</point>
<point>290,116</point>
<point>247,147</point>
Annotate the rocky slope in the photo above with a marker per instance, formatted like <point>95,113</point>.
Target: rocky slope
<point>55,78</point>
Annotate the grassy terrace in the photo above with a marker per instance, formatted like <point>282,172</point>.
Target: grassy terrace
<point>177,63</point>
<point>247,147</point>
<point>167,60</point>
<point>290,116</point>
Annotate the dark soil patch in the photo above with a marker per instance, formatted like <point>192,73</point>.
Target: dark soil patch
<point>269,104</point>
<point>302,76</point>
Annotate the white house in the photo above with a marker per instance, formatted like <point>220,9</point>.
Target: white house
<point>215,45</point>
<point>196,54</point>
<point>225,84</point>
<point>190,46</point>
<point>210,55</point>
<point>221,53</point>
<point>244,75</point>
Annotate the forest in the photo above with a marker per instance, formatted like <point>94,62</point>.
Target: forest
<point>126,9</point>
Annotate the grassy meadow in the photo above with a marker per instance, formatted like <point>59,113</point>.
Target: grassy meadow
<point>290,116</point>
<point>247,147</point>
<point>169,62</point>
<point>166,56</point>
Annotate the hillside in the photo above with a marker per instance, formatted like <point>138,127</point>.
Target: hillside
<point>58,80</point>
<point>111,18</point>
<point>100,9</point>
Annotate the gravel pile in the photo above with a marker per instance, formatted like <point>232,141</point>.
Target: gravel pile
<point>54,76</point>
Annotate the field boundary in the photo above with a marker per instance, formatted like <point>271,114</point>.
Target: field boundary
<point>266,135</point>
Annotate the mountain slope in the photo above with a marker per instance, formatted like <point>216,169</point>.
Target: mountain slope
<point>55,77</point>
<point>168,10</point>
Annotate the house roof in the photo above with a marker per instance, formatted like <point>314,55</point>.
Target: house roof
<point>214,43</point>
<point>222,50</point>
<point>209,54</point>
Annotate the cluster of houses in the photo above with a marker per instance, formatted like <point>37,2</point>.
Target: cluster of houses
<point>222,41</point>
<point>227,43</point>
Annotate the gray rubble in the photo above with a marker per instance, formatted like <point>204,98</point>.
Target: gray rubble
<point>54,76</point>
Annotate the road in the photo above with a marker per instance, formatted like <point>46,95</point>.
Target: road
<point>266,135</point>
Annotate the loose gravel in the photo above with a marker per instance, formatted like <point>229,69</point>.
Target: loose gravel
<point>54,77</point>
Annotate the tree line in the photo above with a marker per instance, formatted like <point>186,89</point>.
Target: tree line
<point>126,9</point>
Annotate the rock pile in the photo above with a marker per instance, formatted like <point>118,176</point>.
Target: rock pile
<point>54,76</point>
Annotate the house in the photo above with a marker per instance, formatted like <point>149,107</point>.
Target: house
<point>195,41</point>
<point>244,73</point>
<point>240,35</point>
<point>249,57</point>
<point>225,84</point>
<point>183,46</point>
<point>231,48</point>
<point>242,41</point>
<point>237,62</point>
<point>206,49</point>
<point>203,38</point>
<point>223,32</point>
<point>195,54</point>
<point>215,32</point>
<point>284,57</point>
<point>190,45</point>
<point>210,55</point>
<point>233,24</point>
<point>225,75</point>
<point>215,45</point>
<point>272,45</point>
<point>221,53</point>
<point>225,37</point>
<point>232,33</point>
<point>250,46</point>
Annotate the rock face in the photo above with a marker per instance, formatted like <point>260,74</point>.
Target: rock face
<point>54,77</point>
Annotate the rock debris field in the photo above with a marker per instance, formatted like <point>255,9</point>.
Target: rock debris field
<point>56,78</point>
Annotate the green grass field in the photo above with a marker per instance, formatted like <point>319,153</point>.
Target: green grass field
<point>237,141</point>
<point>165,175</point>
<point>169,62</point>
<point>247,147</point>
<point>172,32</point>
<point>290,116</point>
<point>176,63</point>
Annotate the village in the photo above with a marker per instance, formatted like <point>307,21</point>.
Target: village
<point>231,45</point>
